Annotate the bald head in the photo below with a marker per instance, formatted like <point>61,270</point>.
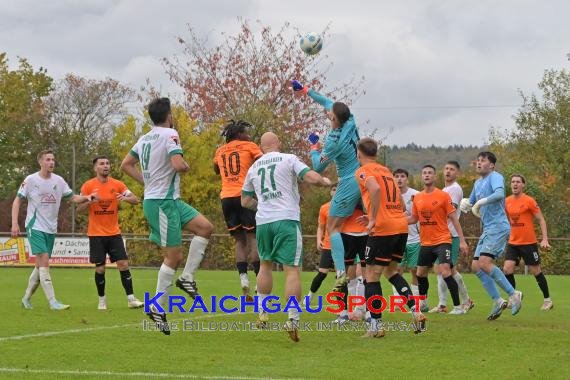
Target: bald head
<point>270,142</point>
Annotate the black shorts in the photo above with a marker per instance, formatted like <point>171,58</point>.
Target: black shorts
<point>528,252</point>
<point>381,250</point>
<point>326,259</point>
<point>237,217</point>
<point>428,255</point>
<point>353,245</point>
<point>101,246</point>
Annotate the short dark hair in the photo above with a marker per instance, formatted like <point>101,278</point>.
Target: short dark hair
<point>429,166</point>
<point>341,111</point>
<point>158,110</point>
<point>488,155</point>
<point>44,152</point>
<point>454,163</point>
<point>234,128</point>
<point>523,179</point>
<point>100,157</point>
<point>401,171</point>
<point>368,146</point>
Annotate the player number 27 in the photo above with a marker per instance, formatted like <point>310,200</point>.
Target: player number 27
<point>261,173</point>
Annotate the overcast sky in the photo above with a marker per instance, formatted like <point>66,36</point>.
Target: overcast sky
<point>429,65</point>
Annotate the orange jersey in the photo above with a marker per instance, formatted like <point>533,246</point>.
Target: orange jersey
<point>432,210</point>
<point>351,226</point>
<point>390,219</point>
<point>234,160</point>
<point>323,217</point>
<point>521,211</point>
<point>104,214</point>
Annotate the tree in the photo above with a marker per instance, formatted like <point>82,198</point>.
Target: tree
<point>247,77</point>
<point>538,149</point>
<point>22,93</point>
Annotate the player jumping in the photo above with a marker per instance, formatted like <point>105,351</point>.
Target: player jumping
<point>232,161</point>
<point>161,160</point>
<point>340,147</point>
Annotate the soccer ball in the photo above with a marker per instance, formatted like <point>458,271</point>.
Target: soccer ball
<point>311,43</point>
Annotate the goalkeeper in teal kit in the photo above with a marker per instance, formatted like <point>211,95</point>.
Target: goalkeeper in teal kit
<point>340,147</point>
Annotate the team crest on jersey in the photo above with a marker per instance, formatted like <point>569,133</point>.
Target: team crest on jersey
<point>175,139</point>
<point>362,176</point>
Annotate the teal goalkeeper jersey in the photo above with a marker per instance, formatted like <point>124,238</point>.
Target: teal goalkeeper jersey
<point>339,145</point>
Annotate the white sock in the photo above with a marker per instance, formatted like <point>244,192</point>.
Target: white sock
<point>360,287</point>
<point>441,290</point>
<point>547,299</point>
<point>260,298</point>
<point>130,297</point>
<point>102,299</point>
<point>340,273</point>
<point>164,283</point>
<point>462,288</point>
<point>47,286</point>
<point>293,314</point>
<point>244,280</point>
<point>344,313</point>
<point>352,287</point>
<point>33,283</point>
<point>415,290</point>
<point>375,324</point>
<point>195,255</point>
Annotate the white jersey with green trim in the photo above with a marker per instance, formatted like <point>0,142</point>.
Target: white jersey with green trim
<point>153,150</point>
<point>273,180</point>
<point>456,193</point>
<point>44,198</point>
<point>413,229</point>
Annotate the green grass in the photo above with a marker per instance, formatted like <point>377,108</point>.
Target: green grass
<point>533,344</point>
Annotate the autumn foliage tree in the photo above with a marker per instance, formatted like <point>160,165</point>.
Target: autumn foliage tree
<point>247,77</point>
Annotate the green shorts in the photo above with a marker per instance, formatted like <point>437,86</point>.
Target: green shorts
<point>281,242</point>
<point>166,217</point>
<point>40,242</point>
<point>411,254</point>
<point>454,251</point>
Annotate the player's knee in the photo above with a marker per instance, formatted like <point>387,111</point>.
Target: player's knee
<point>206,229</point>
<point>122,265</point>
<point>534,269</point>
<point>475,266</point>
<point>100,268</point>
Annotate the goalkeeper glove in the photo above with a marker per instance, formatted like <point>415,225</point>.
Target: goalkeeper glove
<point>465,205</point>
<point>297,86</point>
<point>476,207</point>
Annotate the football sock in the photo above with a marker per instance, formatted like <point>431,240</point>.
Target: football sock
<point>100,283</point>
<point>441,290</point>
<point>255,266</point>
<point>337,251</point>
<point>195,255</point>
<point>127,281</point>
<point>423,286</point>
<point>47,286</point>
<point>403,288</point>
<point>453,289</point>
<point>33,283</point>
<point>511,279</point>
<point>502,281</point>
<point>541,280</point>
<point>164,283</point>
<point>374,289</point>
<point>488,284</point>
<point>463,294</point>
<point>317,281</point>
<point>241,267</point>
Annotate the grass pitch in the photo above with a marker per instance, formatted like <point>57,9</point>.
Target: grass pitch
<point>84,342</point>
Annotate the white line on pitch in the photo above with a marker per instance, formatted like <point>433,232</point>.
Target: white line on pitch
<point>52,333</point>
<point>130,374</point>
